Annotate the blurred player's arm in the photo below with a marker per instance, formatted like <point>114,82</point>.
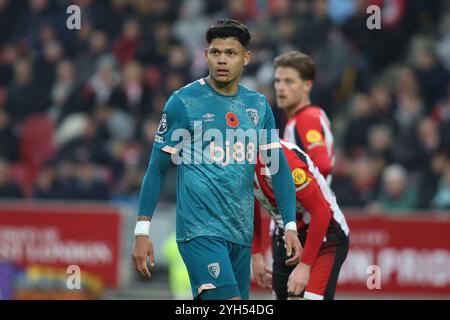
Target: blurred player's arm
<point>283,187</point>
<point>174,117</point>
<point>262,273</point>
<point>313,201</point>
<point>257,229</point>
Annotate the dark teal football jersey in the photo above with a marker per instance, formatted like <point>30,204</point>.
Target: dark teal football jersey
<point>214,139</point>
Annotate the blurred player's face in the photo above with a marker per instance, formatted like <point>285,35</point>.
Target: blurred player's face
<point>290,89</point>
<point>226,58</point>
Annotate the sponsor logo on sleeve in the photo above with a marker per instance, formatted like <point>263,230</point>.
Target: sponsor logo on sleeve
<point>162,127</point>
<point>299,176</point>
<point>301,179</point>
<point>159,139</point>
<point>313,136</point>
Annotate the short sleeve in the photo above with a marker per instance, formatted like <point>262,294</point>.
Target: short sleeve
<point>174,118</point>
<point>310,131</point>
<point>311,138</point>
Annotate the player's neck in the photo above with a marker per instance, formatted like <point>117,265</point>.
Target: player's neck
<point>226,89</point>
<point>303,103</point>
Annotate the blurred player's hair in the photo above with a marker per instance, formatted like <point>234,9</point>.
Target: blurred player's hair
<point>225,28</point>
<point>301,62</point>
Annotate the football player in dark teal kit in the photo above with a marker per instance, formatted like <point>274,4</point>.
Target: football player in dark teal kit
<point>214,129</point>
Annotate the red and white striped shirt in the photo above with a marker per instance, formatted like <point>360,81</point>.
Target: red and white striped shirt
<point>310,129</point>
<point>318,214</point>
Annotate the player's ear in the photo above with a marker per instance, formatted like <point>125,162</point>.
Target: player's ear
<point>206,53</point>
<point>247,57</point>
<point>308,85</point>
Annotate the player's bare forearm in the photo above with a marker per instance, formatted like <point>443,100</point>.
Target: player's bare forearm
<point>144,218</point>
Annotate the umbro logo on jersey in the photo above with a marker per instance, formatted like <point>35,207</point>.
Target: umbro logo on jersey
<point>209,117</point>
<point>214,269</point>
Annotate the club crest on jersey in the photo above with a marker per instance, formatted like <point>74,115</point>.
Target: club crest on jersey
<point>252,113</point>
<point>214,269</point>
<point>232,120</point>
<point>162,127</point>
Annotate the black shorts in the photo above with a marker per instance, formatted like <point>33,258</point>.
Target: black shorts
<point>324,272</point>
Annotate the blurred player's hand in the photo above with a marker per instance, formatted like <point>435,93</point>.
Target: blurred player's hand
<point>299,278</point>
<point>142,249</point>
<point>293,247</point>
<point>261,272</point>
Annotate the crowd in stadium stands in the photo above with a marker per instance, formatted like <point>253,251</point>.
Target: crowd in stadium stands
<point>79,108</point>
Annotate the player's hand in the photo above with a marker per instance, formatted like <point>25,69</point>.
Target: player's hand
<point>293,247</point>
<point>142,249</point>
<point>299,278</point>
<point>261,272</point>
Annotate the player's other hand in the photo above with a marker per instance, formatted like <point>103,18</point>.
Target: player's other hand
<point>299,278</point>
<point>142,249</point>
<point>261,272</point>
<point>293,248</point>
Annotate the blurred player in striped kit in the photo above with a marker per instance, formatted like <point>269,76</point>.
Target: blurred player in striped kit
<point>308,128</point>
<point>308,125</point>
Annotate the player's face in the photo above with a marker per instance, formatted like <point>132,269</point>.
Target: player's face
<point>226,58</point>
<point>290,89</point>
